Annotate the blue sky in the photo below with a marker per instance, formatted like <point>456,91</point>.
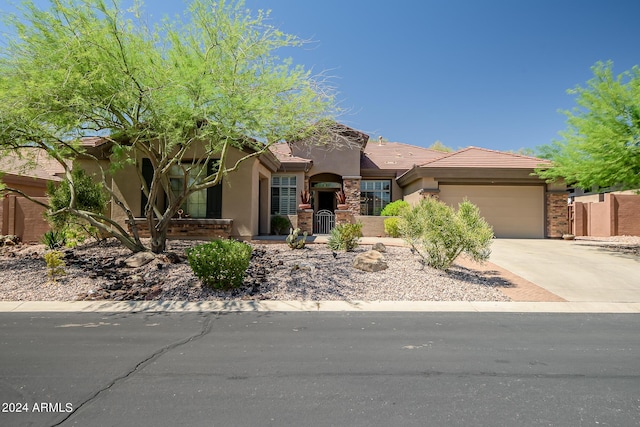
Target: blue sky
<point>490,73</point>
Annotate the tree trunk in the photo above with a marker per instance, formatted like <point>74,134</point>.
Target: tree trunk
<point>159,243</point>
<point>158,233</point>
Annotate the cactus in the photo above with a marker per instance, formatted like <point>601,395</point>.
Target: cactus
<point>293,241</point>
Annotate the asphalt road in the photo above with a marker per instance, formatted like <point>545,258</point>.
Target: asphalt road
<point>319,369</point>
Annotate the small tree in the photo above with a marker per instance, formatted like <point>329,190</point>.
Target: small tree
<point>89,196</point>
<point>182,94</point>
<point>439,146</point>
<point>439,235</point>
<point>601,145</point>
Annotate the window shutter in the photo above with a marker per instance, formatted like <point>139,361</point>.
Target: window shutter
<point>147,174</point>
<point>214,197</point>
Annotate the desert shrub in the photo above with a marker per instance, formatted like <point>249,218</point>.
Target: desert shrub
<point>55,264</point>
<point>395,208</point>
<point>220,264</point>
<point>391,226</point>
<point>54,239</point>
<point>345,237</point>
<point>439,234</point>
<point>280,225</point>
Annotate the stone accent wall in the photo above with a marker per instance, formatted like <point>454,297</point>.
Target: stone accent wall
<point>352,191</point>
<point>557,214</point>
<point>425,192</point>
<point>344,216</point>
<point>190,228</point>
<point>305,220</point>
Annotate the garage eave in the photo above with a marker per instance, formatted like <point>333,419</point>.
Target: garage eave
<point>473,175</point>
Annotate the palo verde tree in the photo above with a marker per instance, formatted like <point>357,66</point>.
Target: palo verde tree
<point>183,93</point>
<point>601,145</point>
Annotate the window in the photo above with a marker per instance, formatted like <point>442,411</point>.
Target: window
<point>283,195</point>
<point>202,204</point>
<point>374,196</point>
<point>196,204</point>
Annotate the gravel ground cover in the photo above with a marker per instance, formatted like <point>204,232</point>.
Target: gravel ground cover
<point>96,271</point>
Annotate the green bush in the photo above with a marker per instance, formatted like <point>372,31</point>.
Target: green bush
<point>395,208</point>
<point>280,225</point>
<point>90,196</point>
<point>345,237</point>
<point>439,234</point>
<point>220,264</point>
<point>391,226</point>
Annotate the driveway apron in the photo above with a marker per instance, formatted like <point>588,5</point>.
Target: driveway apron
<point>574,270</point>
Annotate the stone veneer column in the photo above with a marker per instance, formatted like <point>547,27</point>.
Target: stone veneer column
<point>556,209</point>
<point>351,185</point>
<point>344,217</point>
<point>305,220</point>
<point>428,192</point>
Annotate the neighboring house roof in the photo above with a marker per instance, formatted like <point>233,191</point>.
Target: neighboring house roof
<point>32,163</point>
<point>474,157</point>
<point>396,156</point>
<point>93,141</point>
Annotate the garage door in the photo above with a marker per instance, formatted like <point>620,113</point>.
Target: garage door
<point>512,211</point>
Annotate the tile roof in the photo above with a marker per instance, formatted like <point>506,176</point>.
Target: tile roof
<point>283,152</point>
<point>93,141</point>
<point>32,162</point>
<point>474,157</point>
<point>396,156</point>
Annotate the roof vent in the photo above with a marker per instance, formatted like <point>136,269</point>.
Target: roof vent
<point>380,140</point>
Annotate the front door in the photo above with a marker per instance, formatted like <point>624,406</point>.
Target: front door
<point>326,200</point>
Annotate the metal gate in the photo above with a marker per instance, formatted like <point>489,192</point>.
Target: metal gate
<point>325,219</point>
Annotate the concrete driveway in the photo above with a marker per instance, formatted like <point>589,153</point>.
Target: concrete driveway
<point>573,270</point>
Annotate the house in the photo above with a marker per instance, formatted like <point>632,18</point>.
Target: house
<point>371,174</point>
<point>29,171</point>
<point>512,199</point>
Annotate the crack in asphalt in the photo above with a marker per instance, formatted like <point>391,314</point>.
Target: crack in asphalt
<point>206,328</point>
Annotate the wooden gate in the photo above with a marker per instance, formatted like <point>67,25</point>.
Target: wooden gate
<point>324,222</point>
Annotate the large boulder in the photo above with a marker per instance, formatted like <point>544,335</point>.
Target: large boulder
<point>139,259</point>
<point>379,246</point>
<point>370,261</point>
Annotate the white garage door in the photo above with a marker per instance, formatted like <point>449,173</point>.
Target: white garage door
<point>512,211</point>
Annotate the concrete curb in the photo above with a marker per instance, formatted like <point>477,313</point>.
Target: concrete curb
<point>316,306</point>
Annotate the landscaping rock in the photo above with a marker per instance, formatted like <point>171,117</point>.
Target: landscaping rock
<point>139,259</point>
<point>9,240</point>
<point>379,246</point>
<point>304,266</point>
<point>370,261</point>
